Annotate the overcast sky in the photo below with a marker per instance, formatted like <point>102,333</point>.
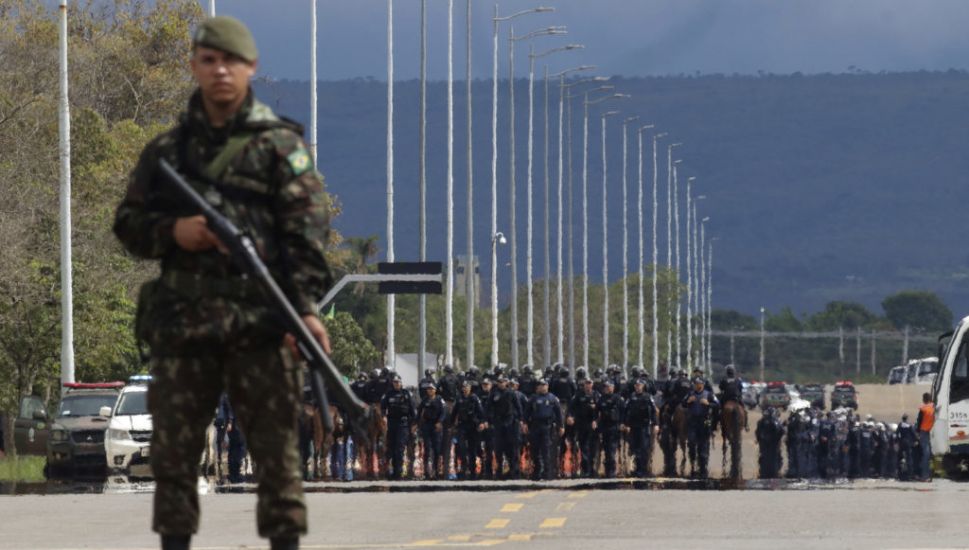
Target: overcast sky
<point>628,37</point>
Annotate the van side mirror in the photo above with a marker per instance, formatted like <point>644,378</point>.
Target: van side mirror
<point>40,414</point>
<point>105,412</point>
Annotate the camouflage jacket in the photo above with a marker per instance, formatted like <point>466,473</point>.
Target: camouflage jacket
<point>265,183</point>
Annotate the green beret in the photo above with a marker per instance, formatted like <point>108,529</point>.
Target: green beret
<point>227,34</point>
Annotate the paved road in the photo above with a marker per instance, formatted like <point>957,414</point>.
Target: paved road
<point>858,516</point>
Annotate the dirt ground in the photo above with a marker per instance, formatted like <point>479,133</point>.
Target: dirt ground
<point>886,403</point>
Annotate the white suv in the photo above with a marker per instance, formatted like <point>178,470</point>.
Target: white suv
<point>128,437</point>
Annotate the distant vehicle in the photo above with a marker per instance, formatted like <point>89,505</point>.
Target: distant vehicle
<point>31,427</point>
<point>813,394</point>
<point>844,395</point>
<point>775,395</point>
<point>751,394</point>
<point>76,441</point>
<point>127,441</point>
<point>926,369</point>
<point>898,374</point>
<point>911,372</point>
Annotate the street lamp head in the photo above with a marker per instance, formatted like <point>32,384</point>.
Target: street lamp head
<point>609,113</point>
<point>701,197</point>
<point>677,161</point>
<point>691,178</point>
<point>672,145</point>
<point>646,127</point>
<point>575,46</point>
<point>543,9</point>
<point>659,136</point>
<point>499,238</point>
<point>630,119</point>
<point>706,219</point>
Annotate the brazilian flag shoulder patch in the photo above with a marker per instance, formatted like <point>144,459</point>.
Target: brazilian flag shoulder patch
<point>299,160</point>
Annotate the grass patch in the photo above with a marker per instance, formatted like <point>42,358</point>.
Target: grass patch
<point>23,468</point>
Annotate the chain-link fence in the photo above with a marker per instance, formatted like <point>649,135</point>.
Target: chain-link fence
<point>857,354</point>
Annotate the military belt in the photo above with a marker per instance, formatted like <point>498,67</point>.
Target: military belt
<point>195,285</point>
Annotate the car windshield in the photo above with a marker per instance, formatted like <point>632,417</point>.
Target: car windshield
<point>132,403</point>
<point>85,405</point>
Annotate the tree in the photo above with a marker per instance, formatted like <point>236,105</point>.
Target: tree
<point>918,309</point>
<point>728,319</point>
<point>783,321</point>
<point>352,351</point>
<point>838,314</point>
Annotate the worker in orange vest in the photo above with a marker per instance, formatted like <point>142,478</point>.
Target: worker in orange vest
<point>924,423</point>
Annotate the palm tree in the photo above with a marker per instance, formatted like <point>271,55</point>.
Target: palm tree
<point>362,251</point>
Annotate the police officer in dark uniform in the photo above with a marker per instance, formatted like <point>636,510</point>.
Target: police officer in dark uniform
<point>527,382</point>
<point>769,432</point>
<point>700,404</point>
<point>488,444</point>
<point>507,417</point>
<point>359,387</point>
<point>827,441</point>
<point>583,414</point>
<point>398,407</point>
<point>448,387</point>
<point>377,386</point>
<point>431,414</point>
<point>611,411</point>
<point>468,420</point>
<point>544,418</point>
<point>641,422</point>
<point>907,439</point>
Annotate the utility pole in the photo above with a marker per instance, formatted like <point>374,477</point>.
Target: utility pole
<point>470,293</point>
<point>422,201</point>
<point>763,377</point>
<point>858,352</point>
<point>64,134</point>
<point>874,352</point>
<point>905,347</point>
<point>391,352</point>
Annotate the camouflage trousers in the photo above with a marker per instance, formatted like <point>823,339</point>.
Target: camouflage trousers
<point>264,385</point>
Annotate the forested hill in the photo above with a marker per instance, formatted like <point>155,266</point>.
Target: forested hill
<point>819,187</point>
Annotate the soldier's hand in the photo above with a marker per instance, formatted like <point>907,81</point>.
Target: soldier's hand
<point>561,432</point>
<point>525,429</point>
<point>569,421</point>
<point>594,424</point>
<point>481,427</point>
<point>438,427</point>
<point>318,331</point>
<point>192,234</point>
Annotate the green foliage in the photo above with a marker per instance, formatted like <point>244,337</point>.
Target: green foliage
<point>352,351</point>
<point>22,468</point>
<point>848,315</point>
<point>728,319</point>
<point>920,310</point>
<point>783,321</point>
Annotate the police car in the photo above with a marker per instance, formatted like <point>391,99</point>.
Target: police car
<point>775,395</point>
<point>128,437</point>
<point>844,395</point>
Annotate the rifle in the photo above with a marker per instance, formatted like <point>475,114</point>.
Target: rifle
<point>244,254</point>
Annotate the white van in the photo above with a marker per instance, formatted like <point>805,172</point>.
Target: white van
<point>128,437</point>
<point>950,393</point>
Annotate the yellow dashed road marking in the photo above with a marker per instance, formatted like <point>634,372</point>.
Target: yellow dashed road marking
<point>429,542</point>
<point>552,522</point>
<point>490,542</point>
<point>565,507</point>
<point>497,523</point>
<point>512,507</point>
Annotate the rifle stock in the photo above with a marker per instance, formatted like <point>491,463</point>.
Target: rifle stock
<point>243,252</point>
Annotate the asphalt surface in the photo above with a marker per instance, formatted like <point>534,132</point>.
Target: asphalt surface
<point>561,515</point>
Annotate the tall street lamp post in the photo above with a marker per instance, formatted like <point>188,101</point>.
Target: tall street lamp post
<point>494,166</point>
<point>655,339</point>
<point>642,260</point>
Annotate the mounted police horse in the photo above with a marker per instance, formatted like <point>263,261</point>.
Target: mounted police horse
<point>733,421</point>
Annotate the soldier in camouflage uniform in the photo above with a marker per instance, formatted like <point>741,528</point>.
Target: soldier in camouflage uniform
<point>208,328</point>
